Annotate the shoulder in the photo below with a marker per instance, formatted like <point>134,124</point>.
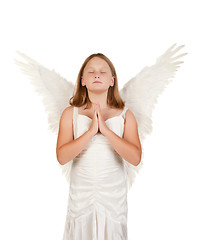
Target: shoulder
<point>69,109</point>
<point>130,117</point>
<point>67,113</point>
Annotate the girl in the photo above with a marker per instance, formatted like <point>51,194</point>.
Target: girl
<point>98,132</point>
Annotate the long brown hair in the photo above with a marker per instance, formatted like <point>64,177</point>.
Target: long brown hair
<point>81,95</point>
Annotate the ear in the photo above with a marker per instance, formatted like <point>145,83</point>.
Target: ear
<point>82,81</point>
<point>112,80</point>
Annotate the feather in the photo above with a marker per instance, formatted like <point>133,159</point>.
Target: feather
<point>54,89</point>
<point>140,95</point>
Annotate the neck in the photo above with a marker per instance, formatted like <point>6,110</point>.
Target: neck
<point>100,98</point>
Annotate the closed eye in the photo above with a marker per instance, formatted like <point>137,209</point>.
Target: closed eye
<point>93,72</point>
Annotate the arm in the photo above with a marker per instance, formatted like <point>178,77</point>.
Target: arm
<point>67,148</point>
<point>129,146</point>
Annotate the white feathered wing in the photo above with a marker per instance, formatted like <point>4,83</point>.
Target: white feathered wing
<point>55,91</point>
<point>141,93</point>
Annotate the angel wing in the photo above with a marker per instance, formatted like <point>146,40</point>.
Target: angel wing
<point>55,91</point>
<point>140,95</point>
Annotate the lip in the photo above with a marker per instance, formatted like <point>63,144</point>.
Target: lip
<point>97,82</point>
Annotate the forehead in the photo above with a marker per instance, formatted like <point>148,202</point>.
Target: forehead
<point>97,62</point>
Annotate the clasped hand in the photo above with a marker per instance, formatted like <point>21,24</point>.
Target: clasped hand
<point>98,123</point>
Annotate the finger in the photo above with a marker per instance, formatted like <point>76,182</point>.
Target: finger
<point>96,113</point>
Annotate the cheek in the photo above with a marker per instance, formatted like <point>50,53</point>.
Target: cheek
<point>89,78</point>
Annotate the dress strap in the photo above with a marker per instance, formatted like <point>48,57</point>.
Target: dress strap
<point>124,111</point>
<point>75,112</point>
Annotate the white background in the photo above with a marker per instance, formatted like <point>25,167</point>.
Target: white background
<point>60,35</point>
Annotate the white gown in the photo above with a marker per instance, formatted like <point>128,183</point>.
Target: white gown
<point>97,201</point>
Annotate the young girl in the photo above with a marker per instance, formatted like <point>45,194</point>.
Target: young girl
<point>97,131</point>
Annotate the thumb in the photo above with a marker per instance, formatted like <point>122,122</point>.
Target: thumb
<point>95,112</point>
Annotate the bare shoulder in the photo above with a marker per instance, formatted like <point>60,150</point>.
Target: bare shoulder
<point>65,133</point>
<point>131,129</point>
<point>130,117</point>
<point>66,117</point>
<point>67,113</point>
<point>69,109</point>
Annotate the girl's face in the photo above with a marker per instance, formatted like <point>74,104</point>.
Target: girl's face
<point>97,69</point>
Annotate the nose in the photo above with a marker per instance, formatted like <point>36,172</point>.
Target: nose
<point>97,76</point>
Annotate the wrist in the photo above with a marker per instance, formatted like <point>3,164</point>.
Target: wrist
<point>91,133</point>
<point>107,132</point>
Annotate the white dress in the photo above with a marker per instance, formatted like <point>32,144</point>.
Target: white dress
<point>97,201</point>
